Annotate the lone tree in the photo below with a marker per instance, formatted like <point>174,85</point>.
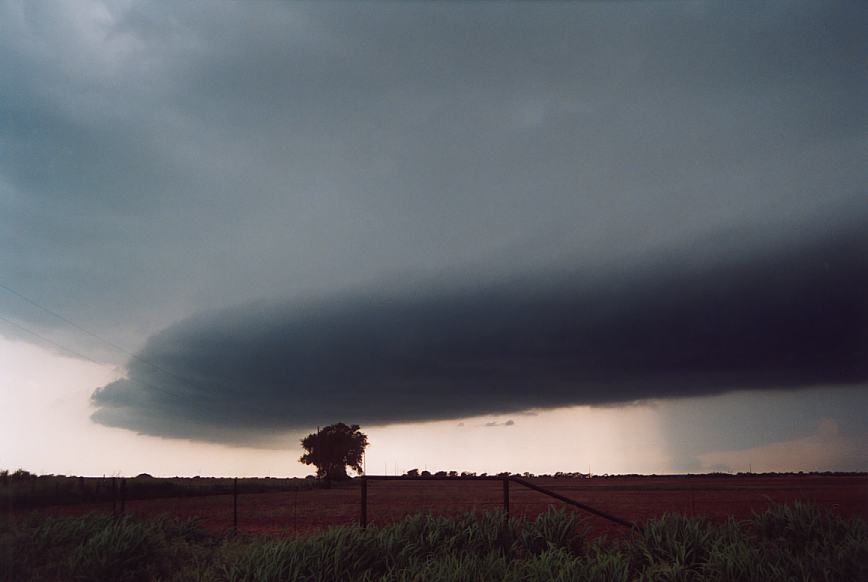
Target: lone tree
<point>332,448</point>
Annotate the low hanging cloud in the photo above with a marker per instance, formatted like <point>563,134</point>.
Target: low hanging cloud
<point>688,323</point>
<point>494,423</point>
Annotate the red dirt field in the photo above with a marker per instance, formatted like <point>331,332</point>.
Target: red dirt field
<point>631,498</point>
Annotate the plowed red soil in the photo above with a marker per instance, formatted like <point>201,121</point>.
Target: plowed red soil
<point>631,498</point>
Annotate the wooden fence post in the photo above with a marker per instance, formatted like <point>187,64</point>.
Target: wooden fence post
<point>114,494</point>
<point>123,495</point>
<point>506,497</point>
<point>235,505</point>
<point>363,518</point>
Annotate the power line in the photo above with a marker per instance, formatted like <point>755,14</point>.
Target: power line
<point>79,354</point>
<point>51,341</point>
<point>182,382</point>
<point>65,320</point>
<point>88,332</point>
<point>94,335</point>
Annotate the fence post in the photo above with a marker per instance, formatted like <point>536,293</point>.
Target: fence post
<point>235,505</point>
<point>363,519</point>
<point>123,494</point>
<point>114,494</point>
<point>573,502</point>
<point>506,496</point>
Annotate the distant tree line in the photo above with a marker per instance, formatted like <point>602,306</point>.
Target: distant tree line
<point>579,475</point>
<point>23,490</point>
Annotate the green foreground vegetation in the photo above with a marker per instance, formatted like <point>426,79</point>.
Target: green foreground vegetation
<point>796,542</point>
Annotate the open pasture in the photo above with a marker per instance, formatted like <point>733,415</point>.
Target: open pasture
<point>631,498</point>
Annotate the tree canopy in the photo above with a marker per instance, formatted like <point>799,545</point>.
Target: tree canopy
<point>333,448</point>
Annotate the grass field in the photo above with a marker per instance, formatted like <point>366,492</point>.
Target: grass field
<point>305,510</point>
<point>22,490</point>
<point>785,543</point>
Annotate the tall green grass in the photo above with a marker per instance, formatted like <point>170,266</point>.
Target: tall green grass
<point>785,543</point>
<point>97,547</point>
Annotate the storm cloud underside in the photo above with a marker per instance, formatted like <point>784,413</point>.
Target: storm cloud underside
<point>427,210</point>
<point>787,316</point>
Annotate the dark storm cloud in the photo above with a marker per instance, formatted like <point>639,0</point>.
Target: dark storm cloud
<point>693,322</point>
<point>158,160</point>
<point>551,165</point>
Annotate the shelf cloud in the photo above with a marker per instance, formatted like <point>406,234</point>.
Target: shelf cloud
<point>295,213</point>
<point>780,317</point>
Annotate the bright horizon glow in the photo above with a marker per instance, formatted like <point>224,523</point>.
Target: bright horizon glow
<point>45,407</point>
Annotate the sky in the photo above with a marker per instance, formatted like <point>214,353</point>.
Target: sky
<point>611,236</point>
